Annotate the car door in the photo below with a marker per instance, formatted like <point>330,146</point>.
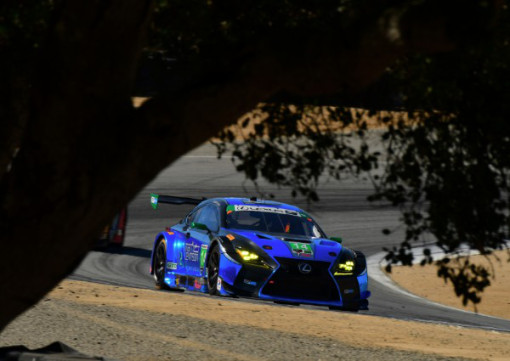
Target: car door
<point>199,239</point>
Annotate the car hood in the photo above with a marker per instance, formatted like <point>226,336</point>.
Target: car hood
<point>292,246</point>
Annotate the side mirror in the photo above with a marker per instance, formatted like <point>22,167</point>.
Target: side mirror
<point>336,239</point>
<point>200,226</point>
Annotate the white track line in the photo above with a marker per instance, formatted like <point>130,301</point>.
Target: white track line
<point>375,264</point>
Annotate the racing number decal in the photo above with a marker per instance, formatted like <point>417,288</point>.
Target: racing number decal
<point>203,253</point>
<point>301,249</point>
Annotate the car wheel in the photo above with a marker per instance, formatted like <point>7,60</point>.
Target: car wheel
<point>160,266</point>
<point>213,269</point>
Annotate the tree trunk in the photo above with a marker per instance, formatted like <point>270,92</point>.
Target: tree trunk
<point>62,184</point>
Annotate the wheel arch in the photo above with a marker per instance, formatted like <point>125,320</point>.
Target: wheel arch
<point>159,238</point>
<point>215,242</point>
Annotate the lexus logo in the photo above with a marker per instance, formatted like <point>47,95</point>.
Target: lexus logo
<point>304,268</point>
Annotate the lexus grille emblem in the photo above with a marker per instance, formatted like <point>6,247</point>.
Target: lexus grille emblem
<point>304,268</point>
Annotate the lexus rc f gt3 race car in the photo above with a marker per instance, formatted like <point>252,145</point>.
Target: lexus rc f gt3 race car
<point>254,248</point>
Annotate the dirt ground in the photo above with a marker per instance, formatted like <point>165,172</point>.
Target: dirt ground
<point>423,281</point>
<point>135,324</point>
<point>320,119</point>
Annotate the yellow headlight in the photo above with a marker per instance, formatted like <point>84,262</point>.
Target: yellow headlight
<point>247,256</point>
<point>345,268</point>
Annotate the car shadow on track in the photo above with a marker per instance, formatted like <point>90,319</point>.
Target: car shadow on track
<point>129,251</point>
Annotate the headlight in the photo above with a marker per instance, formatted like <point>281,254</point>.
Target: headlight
<point>245,251</point>
<point>345,269</point>
<point>349,263</point>
<point>247,256</point>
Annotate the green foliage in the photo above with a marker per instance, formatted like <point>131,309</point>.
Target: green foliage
<point>220,35</point>
<point>23,23</point>
<point>448,169</point>
<point>23,31</point>
<point>468,279</point>
<point>200,26</point>
<point>293,145</point>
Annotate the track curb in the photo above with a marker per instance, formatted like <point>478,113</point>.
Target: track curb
<point>375,272</point>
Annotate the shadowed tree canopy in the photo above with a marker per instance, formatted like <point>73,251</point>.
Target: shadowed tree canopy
<point>73,150</point>
<point>434,142</point>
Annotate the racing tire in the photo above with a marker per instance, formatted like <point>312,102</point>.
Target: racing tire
<point>213,269</point>
<point>160,267</point>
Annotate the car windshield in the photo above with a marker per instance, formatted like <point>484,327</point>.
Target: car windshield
<point>271,220</point>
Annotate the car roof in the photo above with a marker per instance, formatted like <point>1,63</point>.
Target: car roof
<point>248,201</point>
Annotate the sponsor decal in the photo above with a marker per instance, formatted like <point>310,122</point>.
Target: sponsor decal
<point>348,291</point>
<point>304,268</point>
<point>245,208</point>
<point>301,249</point>
<point>199,282</point>
<point>171,266</point>
<point>192,252</point>
<point>230,237</point>
<point>218,284</point>
<point>203,253</point>
<point>181,263</point>
<point>177,281</point>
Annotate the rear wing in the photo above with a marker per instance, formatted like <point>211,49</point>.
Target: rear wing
<point>156,199</point>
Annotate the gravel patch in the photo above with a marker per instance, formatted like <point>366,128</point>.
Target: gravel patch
<point>128,334</point>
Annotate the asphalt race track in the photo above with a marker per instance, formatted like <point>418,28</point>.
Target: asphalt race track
<point>343,211</point>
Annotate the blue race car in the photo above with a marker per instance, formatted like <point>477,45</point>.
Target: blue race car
<point>255,248</point>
